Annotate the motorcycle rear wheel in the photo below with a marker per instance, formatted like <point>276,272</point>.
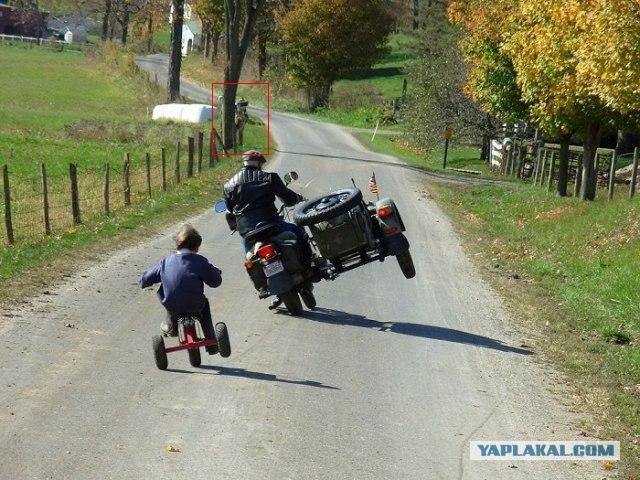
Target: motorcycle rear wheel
<point>308,298</point>
<point>292,301</point>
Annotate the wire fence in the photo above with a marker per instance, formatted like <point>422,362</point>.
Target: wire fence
<point>36,204</point>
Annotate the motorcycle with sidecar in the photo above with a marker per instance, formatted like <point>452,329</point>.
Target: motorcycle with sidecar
<point>345,232</point>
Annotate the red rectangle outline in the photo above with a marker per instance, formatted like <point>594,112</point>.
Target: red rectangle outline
<point>213,101</point>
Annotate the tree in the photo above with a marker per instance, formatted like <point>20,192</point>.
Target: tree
<point>175,55</point>
<point>544,49</point>
<point>492,78</point>
<point>325,40</point>
<point>437,78</point>
<point>240,20</point>
<point>124,11</point>
<point>211,13</point>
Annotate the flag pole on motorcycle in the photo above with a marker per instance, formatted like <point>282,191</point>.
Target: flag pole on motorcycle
<point>373,185</point>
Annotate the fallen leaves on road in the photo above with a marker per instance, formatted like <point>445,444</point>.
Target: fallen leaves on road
<point>172,449</point>
<point>607,465</point>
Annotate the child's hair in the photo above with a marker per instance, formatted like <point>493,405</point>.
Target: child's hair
<point>188,237</point>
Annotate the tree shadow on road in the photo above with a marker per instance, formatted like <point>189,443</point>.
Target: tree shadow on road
<point>325,315</point>
<point>244,373</point>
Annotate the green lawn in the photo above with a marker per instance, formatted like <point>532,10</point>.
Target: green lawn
<point>88,109</point>
<point>460,157</point>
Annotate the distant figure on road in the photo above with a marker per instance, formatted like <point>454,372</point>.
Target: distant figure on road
<point>182,276</point>
<point>240,121</point>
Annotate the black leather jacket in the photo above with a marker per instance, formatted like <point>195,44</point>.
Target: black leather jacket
<point>251,195</point>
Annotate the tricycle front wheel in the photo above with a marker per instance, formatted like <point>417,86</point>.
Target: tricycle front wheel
<point>194,357</point>
<point>159,353</point>
<point>406,264</point>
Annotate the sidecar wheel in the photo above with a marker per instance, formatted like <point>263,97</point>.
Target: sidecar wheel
<point>292,301</point>
<point>326,207</point>
<point>194,357</point>
<point>406,264</point>
<point>222,336</point>
<point>159,352</point>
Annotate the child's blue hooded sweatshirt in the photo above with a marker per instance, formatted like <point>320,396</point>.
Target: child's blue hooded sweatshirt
<point>182,277</point>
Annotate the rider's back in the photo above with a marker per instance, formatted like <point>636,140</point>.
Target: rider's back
<point>251,195</point>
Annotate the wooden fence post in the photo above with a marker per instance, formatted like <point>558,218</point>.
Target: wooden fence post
<point>177,168</point>
<point>634,173</point>
<point>190,154</point>
<point>75,197</point>
<point>552,167</point>
<point>543,168</point>
<point>105,189</point>
<point>148,165</point>
<point>537,166</point>
<point>578,184</point>
<point>200,147</point>
<point>45,200</point>
<point>126,181</point>
<point>7,205</point>
<point>163,168</point>
<point>212,150</point>
<point>612,175</point>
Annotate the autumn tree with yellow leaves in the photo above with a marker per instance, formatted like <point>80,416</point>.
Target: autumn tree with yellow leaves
<point>573,67</point>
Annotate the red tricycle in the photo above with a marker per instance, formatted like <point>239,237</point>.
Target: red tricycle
<point>191,338</point>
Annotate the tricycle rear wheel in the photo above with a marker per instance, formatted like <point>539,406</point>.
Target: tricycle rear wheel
<point>194,357</point>
<point>159,353</point>
<point>406,264</point>
<point>222,336</point>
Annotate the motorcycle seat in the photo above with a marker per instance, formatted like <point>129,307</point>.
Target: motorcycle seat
<point>263,230</point>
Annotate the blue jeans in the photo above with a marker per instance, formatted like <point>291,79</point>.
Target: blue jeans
<point>296,230</point>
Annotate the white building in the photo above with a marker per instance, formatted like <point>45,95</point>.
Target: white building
<point>191,31</point>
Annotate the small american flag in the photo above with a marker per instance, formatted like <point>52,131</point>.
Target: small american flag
<point>373,185</point>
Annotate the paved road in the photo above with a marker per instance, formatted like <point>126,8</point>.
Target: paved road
<point>389,378</point>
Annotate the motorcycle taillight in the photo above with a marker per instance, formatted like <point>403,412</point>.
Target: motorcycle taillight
<point>267,252</point>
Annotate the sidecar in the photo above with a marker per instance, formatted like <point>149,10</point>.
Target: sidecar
<point>350,232</point>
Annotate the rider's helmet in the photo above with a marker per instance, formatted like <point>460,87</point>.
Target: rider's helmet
<point>253,156</point>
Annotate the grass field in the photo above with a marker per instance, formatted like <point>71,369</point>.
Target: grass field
<point>357,101</point>
<point>88,109</point>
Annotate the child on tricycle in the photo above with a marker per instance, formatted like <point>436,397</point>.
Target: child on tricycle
<point>182,277</point>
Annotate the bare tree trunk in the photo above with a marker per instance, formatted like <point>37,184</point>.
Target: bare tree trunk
<point>150,32</point>
<point>112,29</point>
<point>206,38</point>
<point>262,55</point>
<point>125,27</point>
<point>105,19</point>
<point>593,133</point>
<point>175,55</point>
<point>563,167</point>
<point>237,44</point>
<point>216,45</point>
<point>416,13</point>
<point>319,96</point>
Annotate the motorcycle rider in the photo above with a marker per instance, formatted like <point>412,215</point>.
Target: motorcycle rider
<point>250,195</point>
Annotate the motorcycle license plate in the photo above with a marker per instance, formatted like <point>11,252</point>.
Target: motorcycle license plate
<point>273,268</point>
